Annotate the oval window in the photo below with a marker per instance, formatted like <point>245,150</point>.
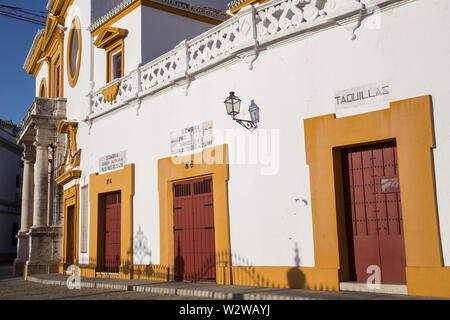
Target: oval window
<point>74,52</point>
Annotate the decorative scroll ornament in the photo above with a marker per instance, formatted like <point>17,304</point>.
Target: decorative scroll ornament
<point>111,92</point>
<point>72,157</point>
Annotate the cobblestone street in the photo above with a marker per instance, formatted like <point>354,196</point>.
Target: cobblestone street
<point>19,289</point>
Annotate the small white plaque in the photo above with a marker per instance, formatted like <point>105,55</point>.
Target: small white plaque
<point>192,138</point>
<point>112,161</point>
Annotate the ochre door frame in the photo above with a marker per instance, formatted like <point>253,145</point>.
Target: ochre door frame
<point>410,123</point>
<point>210,162</point>
<point>71,198</point>
<point>123,181</point>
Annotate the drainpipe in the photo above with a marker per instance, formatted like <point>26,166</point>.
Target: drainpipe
<point>51,191</point>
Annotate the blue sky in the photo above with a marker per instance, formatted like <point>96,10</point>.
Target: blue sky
<point>17,88</point>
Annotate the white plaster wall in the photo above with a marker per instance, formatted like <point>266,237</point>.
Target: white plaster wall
<point>43,73</point>
<point>132,44</point>
<point>162,31</point>
<point>289,83</point>
<point>77,97</point>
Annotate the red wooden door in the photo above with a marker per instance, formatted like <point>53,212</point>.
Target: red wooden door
<point>193,220</point>
<point>373,211</point>
<point>70,256</point>
<point>112,232</point>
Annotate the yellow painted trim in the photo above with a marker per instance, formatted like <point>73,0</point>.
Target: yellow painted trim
<point>33,67</point>
<point>110,93</point>
<point>61,7</point>
<point>151,4</point>
<point>72,157</point>
<point>58,14</point>
<point>408,122</point>
<point>43,86</point>
<point>236,9</point>
<point>55,56</point>
<point>173,169</point>
<point>75,27</point>
<point>68,176</point>
<point>99,185</point>
<point>71,198</point>
<point>111,40</point>
<point>52,31</point>
<point>110,51</point>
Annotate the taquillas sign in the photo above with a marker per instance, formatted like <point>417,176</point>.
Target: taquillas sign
<point>362,95</point>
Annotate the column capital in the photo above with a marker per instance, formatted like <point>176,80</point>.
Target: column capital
<point>45,135</point>
<point>29,152</point>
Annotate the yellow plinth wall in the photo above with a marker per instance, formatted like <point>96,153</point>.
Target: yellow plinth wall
<point>287,277</point>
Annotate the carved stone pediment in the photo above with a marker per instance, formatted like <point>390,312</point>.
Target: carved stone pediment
<point>109,35</point>
<point>68,171</point>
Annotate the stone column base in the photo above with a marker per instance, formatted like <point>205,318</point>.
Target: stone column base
<point>19,267</point>
<point>40,246</point>
<point>39,268</point>
<point>45,255</point>
<point>23,242</point>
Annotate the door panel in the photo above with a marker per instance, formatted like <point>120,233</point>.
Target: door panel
<point>373,211</point>
<point>366,253</point>
<point>194,230</point>
<point>393,258</point>
<point>112,232</point>
<point>70,246</point>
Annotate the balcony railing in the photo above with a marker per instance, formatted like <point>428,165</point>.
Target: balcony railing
<point>242,36</point>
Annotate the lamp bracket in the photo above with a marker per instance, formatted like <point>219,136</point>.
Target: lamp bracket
<point>249,125</point>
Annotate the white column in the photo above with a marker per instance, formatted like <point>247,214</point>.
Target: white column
<point>43,140</point>
<point>27,186</point>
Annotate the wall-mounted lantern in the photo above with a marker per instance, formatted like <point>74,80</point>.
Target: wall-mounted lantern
<point>233,106</point>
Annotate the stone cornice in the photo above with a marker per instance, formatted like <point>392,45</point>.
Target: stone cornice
<point>194,9</point>
<point>33,48</point>
<point>43,111</point>
<point>68,176</point>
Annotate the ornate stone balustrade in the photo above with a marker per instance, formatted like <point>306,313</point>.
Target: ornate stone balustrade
<point>242,37</point>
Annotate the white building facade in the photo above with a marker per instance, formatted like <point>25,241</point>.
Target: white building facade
<point>336,166</point>
<point>10,190</point>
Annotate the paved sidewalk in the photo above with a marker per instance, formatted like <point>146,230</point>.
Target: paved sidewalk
<point>215,291</point>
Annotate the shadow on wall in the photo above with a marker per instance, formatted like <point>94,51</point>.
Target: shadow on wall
<point>241,272</point>
<point>141,251</point>
<point>179,264</point>
<point>296,278</point>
